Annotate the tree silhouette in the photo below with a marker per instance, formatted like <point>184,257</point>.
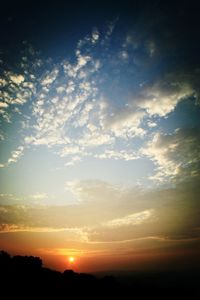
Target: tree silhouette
<point>24,277</point>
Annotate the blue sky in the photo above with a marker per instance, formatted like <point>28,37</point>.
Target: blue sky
<point>97,112</point>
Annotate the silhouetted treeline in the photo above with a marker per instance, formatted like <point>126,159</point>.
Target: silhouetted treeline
<point>24,277</point>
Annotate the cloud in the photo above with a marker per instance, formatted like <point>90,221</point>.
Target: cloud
<point>126,124</point>
<point>102,212</point>
<point>93,191</point>
<point>133,219</point>
<point>49,78</point>
<point>16,155</point>
<point>120,154</point>
<point>17,89</point>
<point>17,79</point>
<point>95,36</point>
<point>176,155</point>
<point>151,124</point>
<point>95,139</point>
<point>71,234</point>
<point>3,105</point>
<point>39,196</point>
<point>162,98</point>
<point>70,150</point>
<point>82,60</point>
<point>69,105</point>
<point>73,160</point>
<point>24,200</point>
<point>8,199</point>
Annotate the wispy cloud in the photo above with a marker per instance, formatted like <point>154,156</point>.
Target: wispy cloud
<point>71,234</point>
<point>39,196</point>
<point>120,154</point>
<point>133,219</point>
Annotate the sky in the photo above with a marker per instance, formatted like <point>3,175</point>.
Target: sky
<point>100,133</point>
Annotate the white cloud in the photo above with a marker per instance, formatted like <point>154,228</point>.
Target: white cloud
<point>2,82</point>
<point>82,60</point>
<point>18,89</point>
<point>120,154</point>
<point>6,195</point>
<point>74,187</point>
<point>3,105</point>
<point>84,115</point>
<point>176,155</point>
<point>95,36</point>
<point>16,155</point>
<point>151,124</point>
<point>73,161</point>
<point>60,89</point>
<point>50,77</point>
<point>95,139</point>
<point>69,69</point>
<point>163,96</point>
<point>127,123</point>
<point>17,79</point>
<point>130,220</point>
<point>39,196</point>
<point>70,150</point>
<point>18,101</point>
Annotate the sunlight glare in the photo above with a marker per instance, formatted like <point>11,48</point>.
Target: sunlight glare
<point>71,259</point>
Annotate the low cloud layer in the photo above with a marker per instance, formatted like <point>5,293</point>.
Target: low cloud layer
<point>107,213</point>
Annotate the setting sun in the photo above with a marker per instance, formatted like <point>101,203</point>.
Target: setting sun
<point>71,259</point>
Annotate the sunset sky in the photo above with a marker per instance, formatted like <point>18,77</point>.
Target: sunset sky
<point>100,133</point>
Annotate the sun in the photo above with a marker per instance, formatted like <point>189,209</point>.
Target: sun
<point>71,259</point>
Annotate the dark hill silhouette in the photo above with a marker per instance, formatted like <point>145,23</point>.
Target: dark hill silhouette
<point>25,277</point>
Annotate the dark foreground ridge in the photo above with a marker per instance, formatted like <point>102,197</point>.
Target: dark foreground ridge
<point>24,277</point>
